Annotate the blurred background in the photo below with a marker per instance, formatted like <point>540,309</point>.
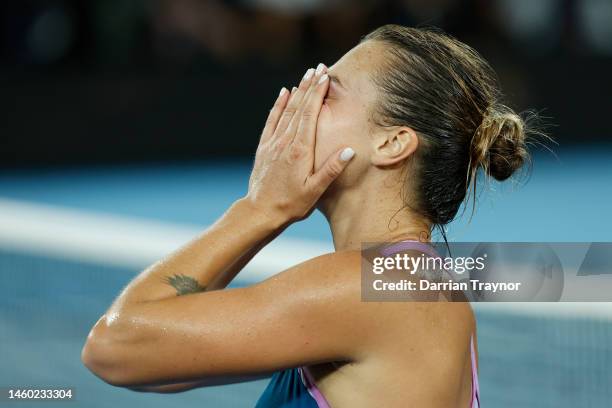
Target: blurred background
<point>125,80</point>
<point>127,126</point>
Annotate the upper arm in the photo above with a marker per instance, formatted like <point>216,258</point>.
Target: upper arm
<point>307,314</point>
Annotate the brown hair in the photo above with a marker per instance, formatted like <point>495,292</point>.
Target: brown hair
<point>450,96</point>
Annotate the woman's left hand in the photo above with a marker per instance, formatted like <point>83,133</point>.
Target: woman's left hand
<point>283,181</point>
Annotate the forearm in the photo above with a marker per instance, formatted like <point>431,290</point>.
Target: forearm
<point>150,337</point>
<point>210,261</point>
<point>186,386</point>
<point>169,388</point>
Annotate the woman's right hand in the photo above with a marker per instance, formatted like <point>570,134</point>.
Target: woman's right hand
<point>283,182</point>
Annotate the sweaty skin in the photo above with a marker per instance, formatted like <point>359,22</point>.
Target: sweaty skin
<point>176,327</point>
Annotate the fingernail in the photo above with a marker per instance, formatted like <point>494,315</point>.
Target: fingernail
<point>320,68</point>
<point>309,73</point>
<point>282,92</point>
<point>347,154</point>
<point>323,78</point>
<point>293,90</point>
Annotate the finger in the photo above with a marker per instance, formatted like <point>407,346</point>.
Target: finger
<point>297,96</point>
<point>331,169</point>
<point>294,102</point>
<point>274,115</point>
<point>304,106</point>
<point>307,127</point>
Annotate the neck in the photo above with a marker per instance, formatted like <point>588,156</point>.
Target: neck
<point>360,216</point>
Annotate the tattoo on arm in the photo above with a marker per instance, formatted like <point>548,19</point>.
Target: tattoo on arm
<point>184,284</point>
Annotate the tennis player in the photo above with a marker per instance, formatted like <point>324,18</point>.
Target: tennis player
<point>386,143</point>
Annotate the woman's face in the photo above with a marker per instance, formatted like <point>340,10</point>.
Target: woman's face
<point>345,117</point>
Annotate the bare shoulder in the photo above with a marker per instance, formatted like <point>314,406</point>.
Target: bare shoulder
<point>330,284</point>
<point>330,268</point>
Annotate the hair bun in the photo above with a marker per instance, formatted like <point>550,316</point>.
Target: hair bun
<point>499,145</point>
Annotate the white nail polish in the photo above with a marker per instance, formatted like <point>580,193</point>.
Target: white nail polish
<point>282,91</point>
<point>323,78</point>
<point>320,68</point>
<point>347,154</point>
<point>309,73</point>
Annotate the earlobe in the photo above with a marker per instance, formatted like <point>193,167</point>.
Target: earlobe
<point>394,146</point>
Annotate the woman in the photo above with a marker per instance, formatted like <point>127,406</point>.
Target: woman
<point>385,143</point>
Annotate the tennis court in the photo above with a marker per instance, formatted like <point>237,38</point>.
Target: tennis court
<point>71,238</point>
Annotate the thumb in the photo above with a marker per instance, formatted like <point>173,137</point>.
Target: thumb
<point>332,168</point>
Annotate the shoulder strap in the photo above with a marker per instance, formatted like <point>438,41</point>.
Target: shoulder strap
<point>475,386</point>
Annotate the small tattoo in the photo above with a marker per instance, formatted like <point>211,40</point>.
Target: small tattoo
<point>184,284</point>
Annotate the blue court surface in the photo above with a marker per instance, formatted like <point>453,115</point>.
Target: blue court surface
<point>61,266</point>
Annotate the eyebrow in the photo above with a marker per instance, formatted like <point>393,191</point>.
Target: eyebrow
<point>335,79</point>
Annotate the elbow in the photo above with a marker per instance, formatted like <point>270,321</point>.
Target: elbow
<point>97,359</point>
<point>104,355</point>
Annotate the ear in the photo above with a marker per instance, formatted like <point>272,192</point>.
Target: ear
<point>394,145</point>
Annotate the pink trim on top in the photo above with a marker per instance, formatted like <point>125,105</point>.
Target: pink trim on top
<point>475,403</point>
<point>314,392</point>
<point>408,245</point>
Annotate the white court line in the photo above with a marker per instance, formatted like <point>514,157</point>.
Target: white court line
<point>126,241</point>
<point>136,243</point>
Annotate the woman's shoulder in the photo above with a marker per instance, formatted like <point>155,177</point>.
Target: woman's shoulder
<point>338,277</point>
<point>331,276</point>
<point>330,285</point>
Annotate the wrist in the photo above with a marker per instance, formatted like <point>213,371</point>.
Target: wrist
<point>267,217</point>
